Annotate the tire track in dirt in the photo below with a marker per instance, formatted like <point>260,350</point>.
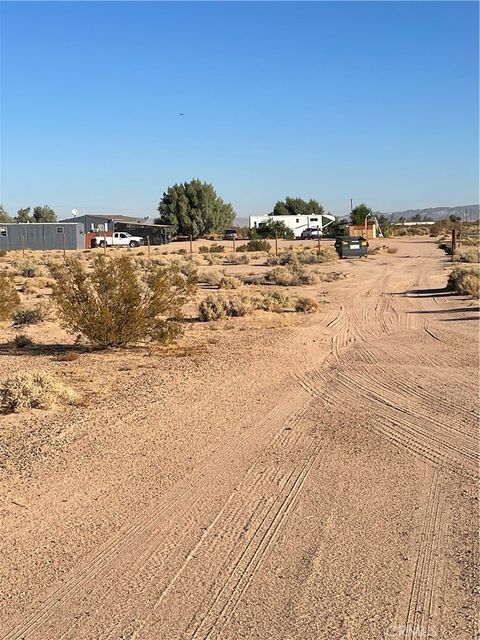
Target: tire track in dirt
<point>97,578</point>
<point>417,620</point>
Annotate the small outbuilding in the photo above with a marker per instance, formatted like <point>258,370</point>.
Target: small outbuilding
<point>16,236</point>
<point>93,224</point>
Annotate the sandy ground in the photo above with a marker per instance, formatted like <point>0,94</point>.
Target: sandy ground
<point>274,476</point>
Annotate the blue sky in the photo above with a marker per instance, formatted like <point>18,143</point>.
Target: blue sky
<point>375,101</point>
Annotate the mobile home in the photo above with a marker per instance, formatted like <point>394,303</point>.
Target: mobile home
<point>296,223</point>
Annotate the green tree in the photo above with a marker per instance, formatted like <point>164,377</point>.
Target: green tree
<point>194,208</point>
<point>359,214</point>
<point>4,217</point>
<point>272,228</point>
<point>44,214</point>
<point>297,207</point>
<point>23,215</point>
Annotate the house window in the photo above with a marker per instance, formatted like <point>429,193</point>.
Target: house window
<point>3,232</point>
<point>313,219</point>
<point>297,220</point>
<point>59,229</point>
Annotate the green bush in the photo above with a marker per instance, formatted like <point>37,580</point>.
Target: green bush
<point>204,249</point>
<point>217,248</point>
<point>255,245</point>
<point>9,298</point>
<point>33,391</point>
<point>116,305</point>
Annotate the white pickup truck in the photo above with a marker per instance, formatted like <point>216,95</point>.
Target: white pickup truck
<point>119,239</point>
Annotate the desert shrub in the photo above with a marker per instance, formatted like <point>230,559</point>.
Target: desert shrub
<point>235,258</point>
<point>28,269</point>
<point>115,305</point>
<point>252,278</point>
<point>272,300</point>
<point>213,258</point>
<point>33,391</point>
<point>328,276</point>
<point>392,249</point>
<point>182,252</point>
<point>210,278</point>
<point>438,229</point>
<point>471,255</point>
<point>306,305</point>
<point>217,248</point>
<point>218,307</point>
<point>292,275</point>
<point>303,257</point>
<point>229,282</point>
<point>9,298</point>
<point>3,253</point>
<point>22,341</point>
<point>29,315</point>
<point>204,249</point>
<point>255,245</point>
<point>465,281</point>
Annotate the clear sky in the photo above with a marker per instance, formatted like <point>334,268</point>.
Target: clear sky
<point>377,101</point>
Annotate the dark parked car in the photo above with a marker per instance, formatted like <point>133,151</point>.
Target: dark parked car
<point>230,234</point>
<point>351,246</point>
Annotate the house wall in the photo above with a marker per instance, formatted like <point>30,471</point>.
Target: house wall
<point>54,235</point>
<point>359,230</point>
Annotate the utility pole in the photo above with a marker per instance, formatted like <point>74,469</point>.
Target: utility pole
<point>351,205</point>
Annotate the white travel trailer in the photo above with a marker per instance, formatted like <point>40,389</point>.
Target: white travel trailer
<point>298,224</point>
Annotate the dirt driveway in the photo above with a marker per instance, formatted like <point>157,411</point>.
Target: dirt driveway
<point>313,480</point>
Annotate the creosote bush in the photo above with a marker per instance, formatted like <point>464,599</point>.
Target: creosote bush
<point>9,298</point>
<point>33,391</point>
<point>465,281</point>
<point>115,304</point>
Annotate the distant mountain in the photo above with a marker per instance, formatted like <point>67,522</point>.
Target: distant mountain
<point>472,211</point>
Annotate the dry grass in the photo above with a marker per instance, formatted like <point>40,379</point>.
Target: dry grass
<point>471,255</point>
<point>306,305</point>
<point>465,281</point>
<point>38,390</point>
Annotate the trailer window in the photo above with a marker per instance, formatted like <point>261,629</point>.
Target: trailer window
<point>313,219</point>
<point>3,232</point>
<point>59,229</point>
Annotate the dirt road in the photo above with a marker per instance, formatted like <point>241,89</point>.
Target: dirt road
<point>312,481</point>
